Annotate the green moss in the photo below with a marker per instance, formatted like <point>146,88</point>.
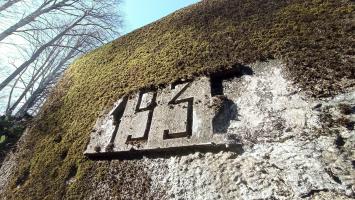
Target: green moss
<point>313,37</point>
<point>11,130</point>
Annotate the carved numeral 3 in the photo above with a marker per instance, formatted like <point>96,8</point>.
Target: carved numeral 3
<point>176,101</point>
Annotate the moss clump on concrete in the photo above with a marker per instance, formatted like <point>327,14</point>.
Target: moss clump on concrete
<point>314,38</point>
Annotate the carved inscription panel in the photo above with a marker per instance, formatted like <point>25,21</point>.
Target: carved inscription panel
<point>179,115</point>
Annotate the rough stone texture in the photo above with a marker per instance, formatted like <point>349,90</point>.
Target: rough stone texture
<point>288,153</point>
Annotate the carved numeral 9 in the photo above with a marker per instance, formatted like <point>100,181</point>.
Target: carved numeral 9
<point>150,108</point>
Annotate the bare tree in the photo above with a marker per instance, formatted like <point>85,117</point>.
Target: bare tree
<point>41,71</point>
<point>58,31</point>
<point>38,52</point>
<point>45,7</point>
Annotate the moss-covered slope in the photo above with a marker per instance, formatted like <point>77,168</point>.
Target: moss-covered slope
<point>314,37</point>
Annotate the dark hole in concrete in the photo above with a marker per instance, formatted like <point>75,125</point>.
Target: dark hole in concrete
<point>72,173</point>
<point>336,179</point>
<point>233,156</point>
<point>54,174</point>
<point>317,106</point>
<point>58,138</point>
<point>339,141</point>
<point>353,163</point>
<point>346,109</point>
<point>23,177</point>
<point>313,192</point>
<point>216,87</point>
<point>217,78</point>
<point>346,122</point>
<point>97,149</point>
<point>63,154</point>
<point>331,174</point>
<point>350,126</point>
<point>279,124</point>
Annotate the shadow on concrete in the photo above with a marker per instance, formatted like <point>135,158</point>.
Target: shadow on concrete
<point>167,153</point>
<point>222,120</point>
<point>226,110</point>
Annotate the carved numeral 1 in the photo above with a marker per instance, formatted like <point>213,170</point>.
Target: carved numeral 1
<point>175,101</point>
<point>117,114</point>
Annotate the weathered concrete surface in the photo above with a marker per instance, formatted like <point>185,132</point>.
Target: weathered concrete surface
<point>294,147</point>
<point>179,115</point>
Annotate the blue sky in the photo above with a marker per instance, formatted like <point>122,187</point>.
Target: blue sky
<point>137,13</point>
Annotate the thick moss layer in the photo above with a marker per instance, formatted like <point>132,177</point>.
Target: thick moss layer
<point>314,37</point>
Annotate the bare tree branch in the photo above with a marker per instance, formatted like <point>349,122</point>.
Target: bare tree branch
<point>44,83</point>
<point>57,32</point>
<point>37,53</point>
<point>32,16</point>
<point>8,4</point>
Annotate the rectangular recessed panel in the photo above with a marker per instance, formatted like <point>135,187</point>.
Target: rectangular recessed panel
<point>180,115</point>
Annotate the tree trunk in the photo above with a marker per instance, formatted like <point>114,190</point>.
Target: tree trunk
<point>8,4</point>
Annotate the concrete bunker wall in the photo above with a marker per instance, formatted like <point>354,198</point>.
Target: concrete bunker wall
<point>293,118</point>
<point>282,155</point>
